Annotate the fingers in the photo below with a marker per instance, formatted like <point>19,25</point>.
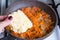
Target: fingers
<point>6,22</point>
<point>2,17</point>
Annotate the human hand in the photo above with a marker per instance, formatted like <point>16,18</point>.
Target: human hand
<point>4,22</point>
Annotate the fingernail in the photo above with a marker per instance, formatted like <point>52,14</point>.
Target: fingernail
<point>10,17</point>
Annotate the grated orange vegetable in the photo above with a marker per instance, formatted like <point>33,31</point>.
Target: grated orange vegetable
<point>41,23</point>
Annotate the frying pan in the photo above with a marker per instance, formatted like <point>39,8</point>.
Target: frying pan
<point>20,4</point>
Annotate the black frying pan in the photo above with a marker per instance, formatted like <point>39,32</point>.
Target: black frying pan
<point>20,4</point>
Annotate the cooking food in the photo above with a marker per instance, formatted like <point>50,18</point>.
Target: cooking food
<point>39,23</point>
<point>20,22</point>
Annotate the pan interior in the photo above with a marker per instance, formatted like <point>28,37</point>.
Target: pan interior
<point>21,4</point>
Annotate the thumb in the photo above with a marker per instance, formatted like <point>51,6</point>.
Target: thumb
<point>6,22</point>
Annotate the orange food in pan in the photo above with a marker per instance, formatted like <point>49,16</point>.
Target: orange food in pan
<point>41,23</point>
